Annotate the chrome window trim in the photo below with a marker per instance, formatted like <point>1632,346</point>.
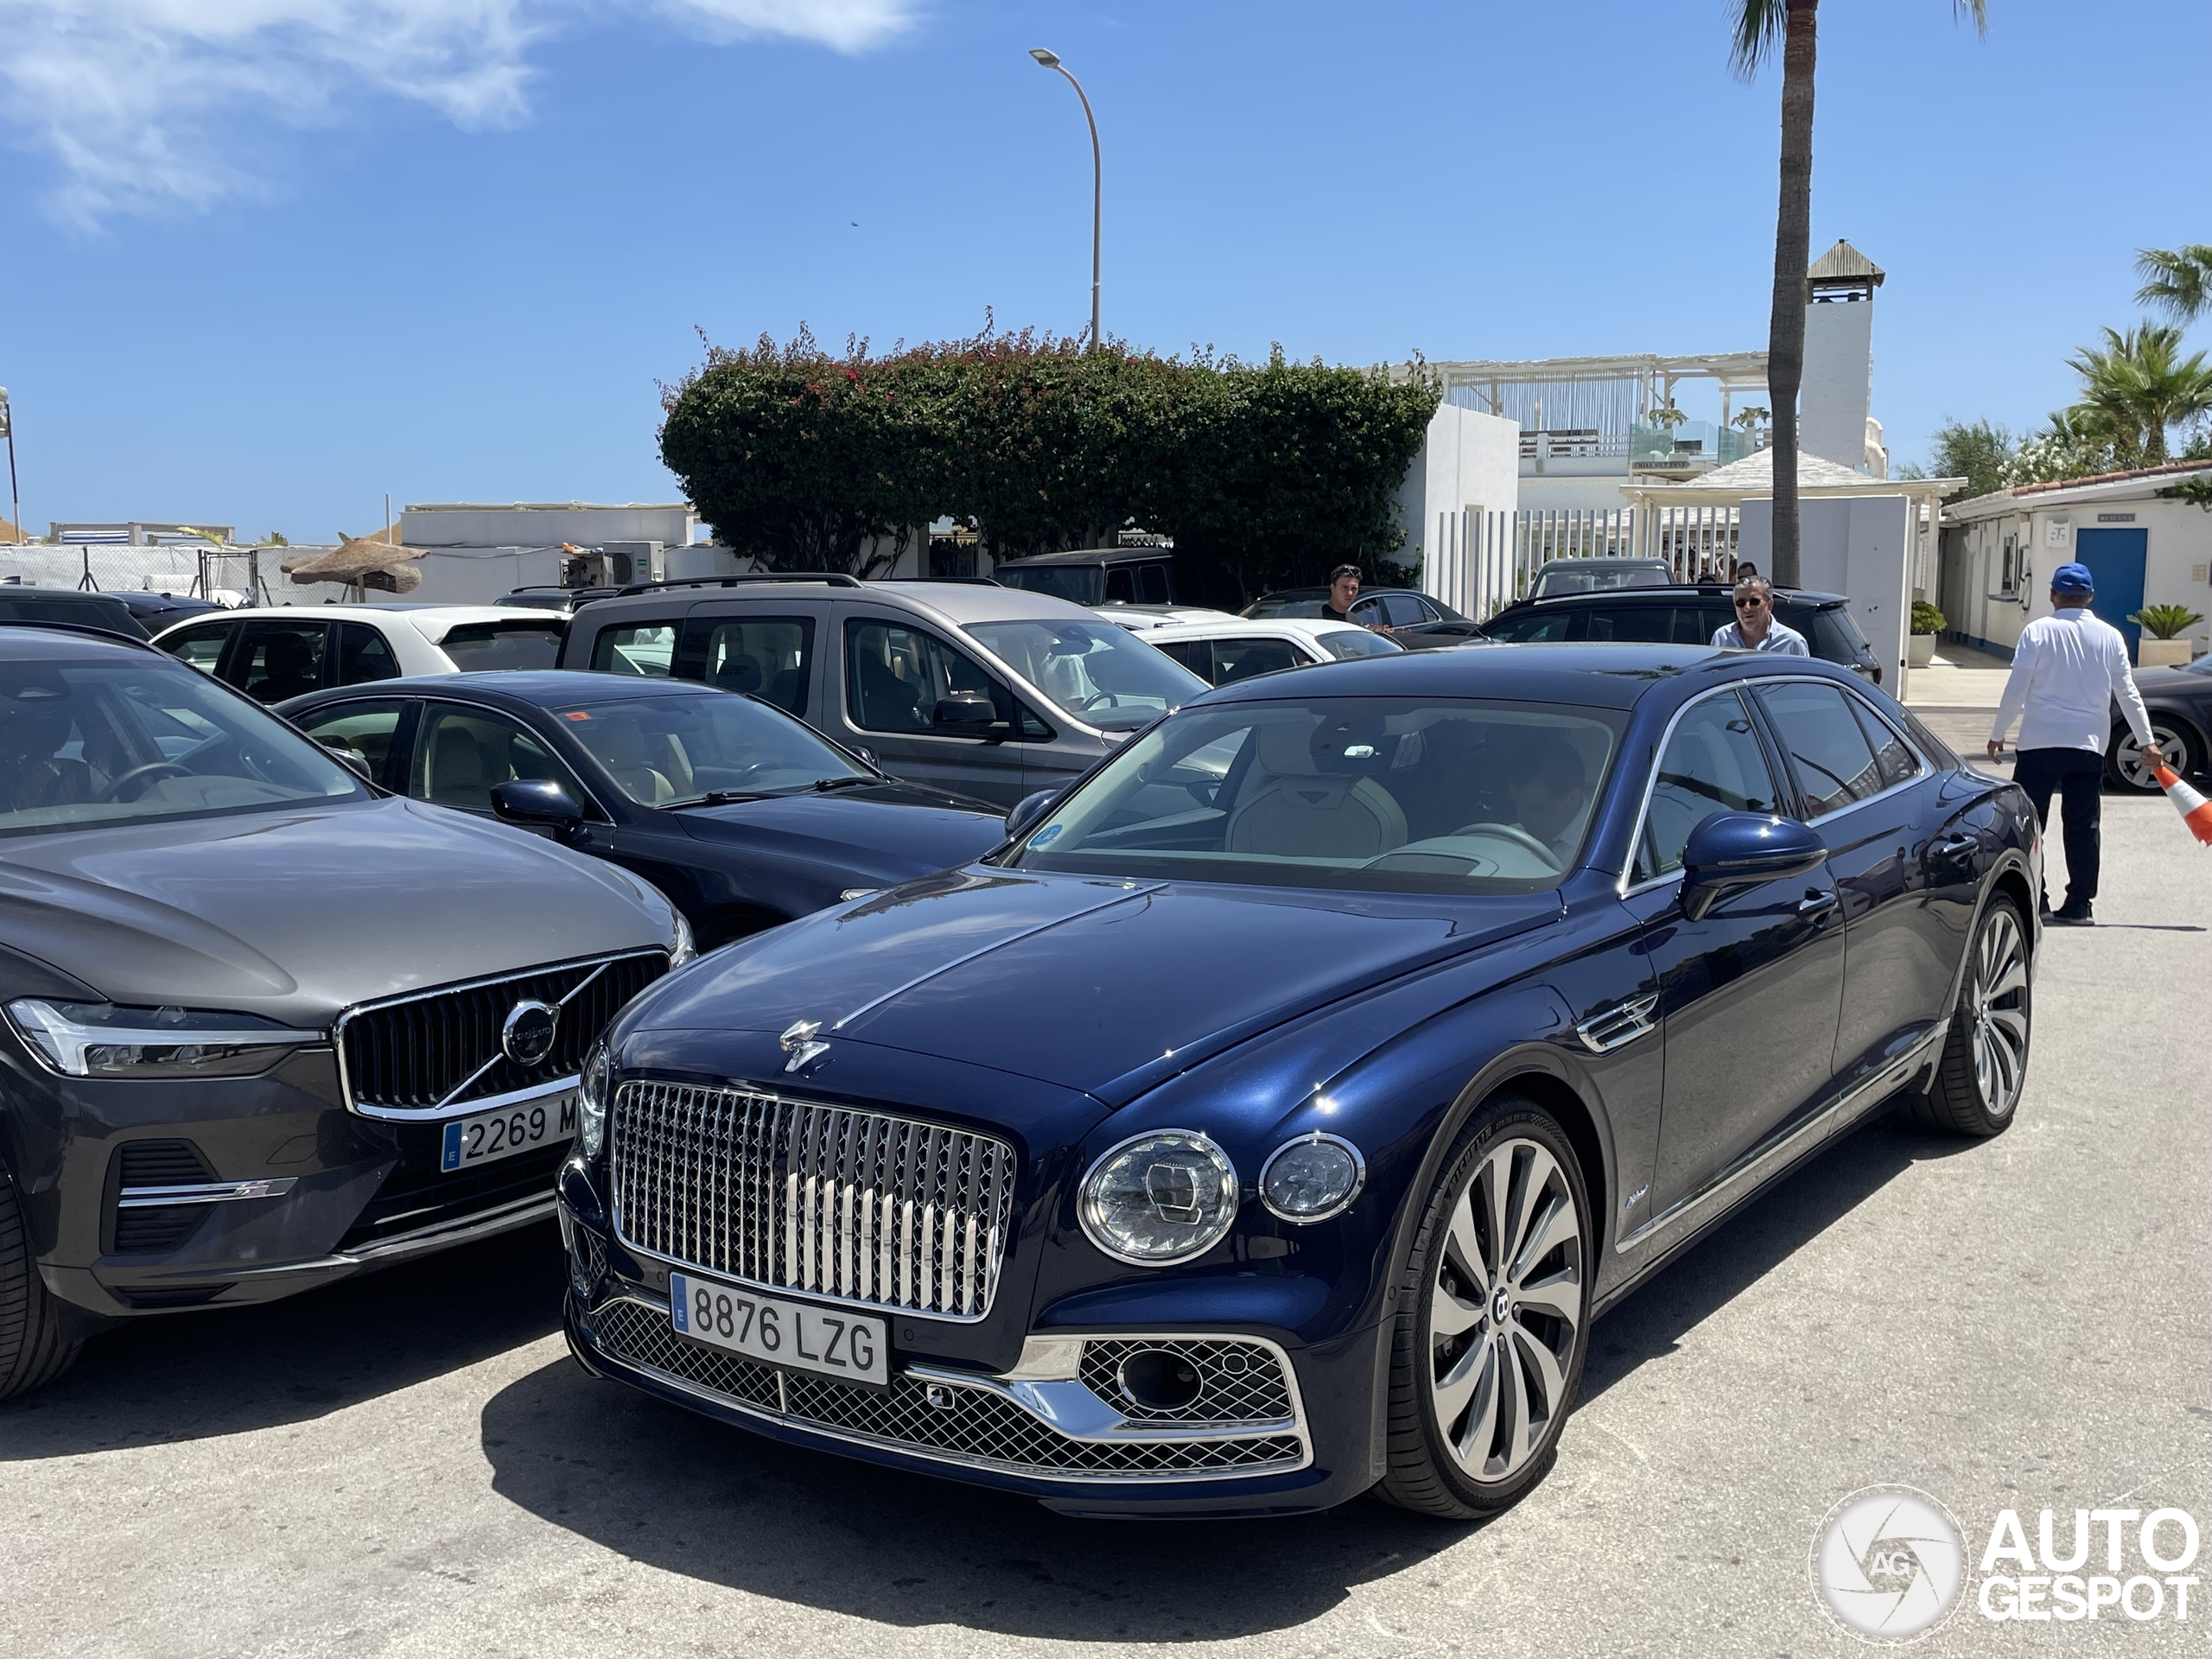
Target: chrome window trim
<point>442,1112</point>
<point>1626,890</point>
<point>1012,1392</point>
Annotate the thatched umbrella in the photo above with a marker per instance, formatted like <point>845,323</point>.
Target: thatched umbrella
<point>361,562</point>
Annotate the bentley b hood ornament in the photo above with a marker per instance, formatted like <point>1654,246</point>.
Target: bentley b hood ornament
<point>799,1042</point>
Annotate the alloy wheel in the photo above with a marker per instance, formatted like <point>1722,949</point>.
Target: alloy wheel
<point>1506,1306</point>
<point>2000,1004</point>
<point>2171,744</point>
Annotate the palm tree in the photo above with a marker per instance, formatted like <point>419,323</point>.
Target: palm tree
<point>2136,385</point>
<point>2177,279</point>
<point>1757,28</point>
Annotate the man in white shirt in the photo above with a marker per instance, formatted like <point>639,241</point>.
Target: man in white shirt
<point>1755,627</point>
<point>2067,671</point>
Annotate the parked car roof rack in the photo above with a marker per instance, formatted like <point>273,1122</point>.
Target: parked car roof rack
<point>832,578</point>
<point>963,582</point>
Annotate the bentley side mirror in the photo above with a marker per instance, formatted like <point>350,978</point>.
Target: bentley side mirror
<point>1027,810</point>
<point>538,803</point>
<point>969,712</point>
<point>1732,850</point>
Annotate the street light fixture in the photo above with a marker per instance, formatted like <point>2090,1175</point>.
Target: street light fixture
<point>1052,60</point>
<point>15,495</point>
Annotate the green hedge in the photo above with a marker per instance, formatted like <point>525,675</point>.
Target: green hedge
<point>1265,475</point>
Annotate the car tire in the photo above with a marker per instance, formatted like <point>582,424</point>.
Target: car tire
<point>1493,1318</point>
<point>2183,755</point>
<point>33,1348</point>
<point>1977,1084</point>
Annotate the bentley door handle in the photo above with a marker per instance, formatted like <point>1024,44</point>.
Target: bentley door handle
<point>1952,846</point>
<point>1816,901</point>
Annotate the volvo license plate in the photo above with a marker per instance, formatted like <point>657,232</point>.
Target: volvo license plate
<point>489,1136</point>
<point>790,1334</point>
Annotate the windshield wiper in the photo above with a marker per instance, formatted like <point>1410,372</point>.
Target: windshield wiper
<point>825,784</point>
<point>720,797</point>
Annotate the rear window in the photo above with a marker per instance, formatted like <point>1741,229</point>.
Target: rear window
<point>519,644</point>
<point>1079,584</point>
<point>1344,643</point>
<point>84,610</point>
<point>1531,625</point>
<point>1834,635</point>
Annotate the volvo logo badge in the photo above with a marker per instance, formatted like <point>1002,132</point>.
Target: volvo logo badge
<point>800,1044</point>
<point>527,1037</point>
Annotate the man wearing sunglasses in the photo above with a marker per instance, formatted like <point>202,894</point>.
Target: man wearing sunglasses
<point>1755,627</point>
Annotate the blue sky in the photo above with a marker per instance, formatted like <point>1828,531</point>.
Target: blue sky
<point>264,267</point>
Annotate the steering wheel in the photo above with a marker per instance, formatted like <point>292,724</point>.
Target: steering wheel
<point>1518,836</point>
<point>1095,699</point>
<point>114,790</point>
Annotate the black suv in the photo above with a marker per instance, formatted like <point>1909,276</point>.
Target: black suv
<point>1683,615</point>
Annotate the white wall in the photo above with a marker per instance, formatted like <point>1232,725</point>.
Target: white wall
<point>1858,545</point>
<point>1467,461</point>
<point>529,525</point>
<point>1832,405</point>
<point>2177,561</point>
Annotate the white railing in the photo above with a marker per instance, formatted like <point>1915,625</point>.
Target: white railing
<point>1481,562</point>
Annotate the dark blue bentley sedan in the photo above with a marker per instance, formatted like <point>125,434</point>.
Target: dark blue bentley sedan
<point>1268,1120</point>
<point>741,814</point>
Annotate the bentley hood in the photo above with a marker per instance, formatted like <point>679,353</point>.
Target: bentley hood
<point>1105,986</point>
<point>296,914</point>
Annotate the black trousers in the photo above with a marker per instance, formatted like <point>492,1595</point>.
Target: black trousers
<point>2079,778</point>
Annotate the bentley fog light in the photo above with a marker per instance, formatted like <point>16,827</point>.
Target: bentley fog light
<point>1311,1178</point>
<point>1161,1198</point>
<point>591,1101</point>
<point>98,1039</point>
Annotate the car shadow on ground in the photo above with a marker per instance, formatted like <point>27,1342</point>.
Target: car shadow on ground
<point>188,1377</point>
<point>661,1486</point>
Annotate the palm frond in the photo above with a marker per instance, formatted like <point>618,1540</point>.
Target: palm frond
<point>2177,279</point>
<point>1756,29</point>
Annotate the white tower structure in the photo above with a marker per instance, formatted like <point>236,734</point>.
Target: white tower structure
<point>1838,357</point>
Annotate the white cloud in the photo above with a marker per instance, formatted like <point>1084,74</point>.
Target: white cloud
<point>148,104</point>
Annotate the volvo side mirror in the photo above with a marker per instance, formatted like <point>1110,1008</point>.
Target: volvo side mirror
<point>538,803</point>
<point>1731,850</point>
<point>353,759</point>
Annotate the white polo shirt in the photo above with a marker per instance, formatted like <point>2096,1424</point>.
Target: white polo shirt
<point>2068,669</point>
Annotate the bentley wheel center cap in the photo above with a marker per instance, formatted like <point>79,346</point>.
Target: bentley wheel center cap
<point>527,1037</point>
<point>1501,1305</point>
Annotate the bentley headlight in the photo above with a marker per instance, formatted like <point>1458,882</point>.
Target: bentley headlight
<point>682,948</point>
<point>98,1039</point>
<point>591,1101</point>
<point>1311,1178</point>
<point>1160,1197</point>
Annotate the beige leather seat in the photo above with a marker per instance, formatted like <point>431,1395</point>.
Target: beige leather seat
<point>1291,809</point>
<point>620,748</point>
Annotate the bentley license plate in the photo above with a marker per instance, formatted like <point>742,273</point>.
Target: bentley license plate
<point>777,1332</point>
<point>489,1136</point>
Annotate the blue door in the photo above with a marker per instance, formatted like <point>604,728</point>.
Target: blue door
<point>2115,559</point>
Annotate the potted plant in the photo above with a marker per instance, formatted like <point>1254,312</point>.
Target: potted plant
<point>2161,645</point>
<point>1927,623</point>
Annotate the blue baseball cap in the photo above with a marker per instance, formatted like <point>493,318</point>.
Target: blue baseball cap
<point>2070,578</point>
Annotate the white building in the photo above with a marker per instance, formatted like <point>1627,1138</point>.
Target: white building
<point>473,552</point>
<point>2142,546</point>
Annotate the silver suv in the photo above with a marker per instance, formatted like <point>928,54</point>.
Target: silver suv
<point>969,687</point>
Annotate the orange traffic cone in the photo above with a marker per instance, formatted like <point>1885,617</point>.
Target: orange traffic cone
<point>2195,811</point>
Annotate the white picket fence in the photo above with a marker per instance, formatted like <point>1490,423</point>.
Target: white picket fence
<point>1479,562</point>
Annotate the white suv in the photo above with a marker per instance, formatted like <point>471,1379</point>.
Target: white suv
<point>1233,648</point>
<point>275,653</point>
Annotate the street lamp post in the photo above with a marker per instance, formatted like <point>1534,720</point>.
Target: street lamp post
<point>1051,60</point>
<point>15,495</point>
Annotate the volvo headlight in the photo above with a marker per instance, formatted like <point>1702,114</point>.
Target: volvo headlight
<point>681,946</point>
<point>1312,1179</point>
<point>1160,1197</point>
<point>591,1101</point>
<point>99,1039</point>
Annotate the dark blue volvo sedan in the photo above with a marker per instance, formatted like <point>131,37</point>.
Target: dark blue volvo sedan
<point>1267,1122</point>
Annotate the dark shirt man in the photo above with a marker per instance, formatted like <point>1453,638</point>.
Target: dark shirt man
<point>1344,593</point>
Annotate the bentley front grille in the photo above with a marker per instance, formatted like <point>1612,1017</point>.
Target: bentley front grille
<point>945,1422</point>
<point>443,1047</point>
<point>859,1207</point>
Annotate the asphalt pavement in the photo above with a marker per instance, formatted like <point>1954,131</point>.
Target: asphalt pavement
<point>411,1465</point>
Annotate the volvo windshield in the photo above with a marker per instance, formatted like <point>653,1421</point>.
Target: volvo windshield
<point>105,742</point>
